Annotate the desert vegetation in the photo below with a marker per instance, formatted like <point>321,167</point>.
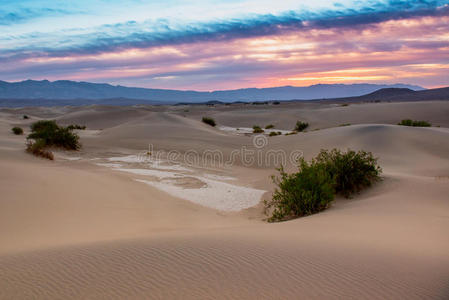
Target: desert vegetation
<point>76,126</point>
<point>314,186</point>
<point>269,126</point>
<point>275,133</point>
<point>352,171</point>
<point>17,130</point>
<point>209,121</point>
<point>25,117</point>
<point>301,126</point>
<point>45,134</point>
<point>257,129</point>
<point>409,122</point>
<point>291,133</point>
<point>38,148</point>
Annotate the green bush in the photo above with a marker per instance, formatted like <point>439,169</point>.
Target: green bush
<point>274,133</point>
<point>306,192</point>
<point>53,135</point>
<point>269,126</point>
<point>351,170</point>
<point>17,130</point>
<point>209,121</point>
<point>313,187</point>
<point>38,148</point>
<point>44,125</point>
<point>76,126</point>
<point>257,129</point>
<point>300,126</point>
<point>408,122</point>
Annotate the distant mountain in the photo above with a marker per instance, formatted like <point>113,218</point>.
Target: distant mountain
<point>398,94</point>
<point>72,90</point>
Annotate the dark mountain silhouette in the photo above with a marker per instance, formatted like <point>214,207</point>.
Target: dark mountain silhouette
<point>397,94</point>
<point>80,93</point>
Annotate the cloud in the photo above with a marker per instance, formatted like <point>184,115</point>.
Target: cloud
<point>8,18</point>
<point>370,43</point>
<point>133,34</point>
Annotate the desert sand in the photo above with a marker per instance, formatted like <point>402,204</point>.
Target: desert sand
<point>108,222</point>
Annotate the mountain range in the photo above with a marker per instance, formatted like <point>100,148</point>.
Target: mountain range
<point>80,93</point>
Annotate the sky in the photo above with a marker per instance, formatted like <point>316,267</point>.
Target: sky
<point>225,44</point>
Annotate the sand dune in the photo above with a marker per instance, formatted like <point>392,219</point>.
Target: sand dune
<point>77,228</point>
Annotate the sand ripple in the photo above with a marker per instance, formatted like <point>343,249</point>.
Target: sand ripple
<point>211,268</point>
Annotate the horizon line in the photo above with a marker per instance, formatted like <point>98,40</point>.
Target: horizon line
<point>219,90</point>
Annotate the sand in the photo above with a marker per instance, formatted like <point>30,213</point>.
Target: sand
<point>81,227</point>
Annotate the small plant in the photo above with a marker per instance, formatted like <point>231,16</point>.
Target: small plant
<point>306,192</point>
<point>345,124</point>
<point>76,126</point>
<point>25,117</point>
<point>301,126</point>
<point>54,135</point>
<point>351,170</point>
<point>257,129</point>
<point>408,122</point>
<point>274,133</point>
<point>17,130</point>
<point>344,104</point>
<point>292,132</point>
<point>269,126</point>
<point>313,187</point>
<point>38,148</point>
<point>209,121</point>
<point>46,133</point>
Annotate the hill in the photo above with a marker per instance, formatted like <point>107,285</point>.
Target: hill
<point>79,92</point>
<point>398,94</point>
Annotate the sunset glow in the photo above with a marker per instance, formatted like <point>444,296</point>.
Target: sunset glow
<point>299,46</point>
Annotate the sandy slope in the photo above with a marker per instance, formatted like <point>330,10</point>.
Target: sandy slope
<point>72,229</point>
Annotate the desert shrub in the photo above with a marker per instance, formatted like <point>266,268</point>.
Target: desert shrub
<point>17,130</point>
<point>292,132</point>
<point>313,187</point>
<point>53,135</point>
<point>25,117</point>
<point>257,129</point>
<point>300,126</point>
<point>209,121</point>
<point>345,124</point>
<point>408,122</point>
<point>38,148</point>
<point>306,192</point>
<point>276,102</point>
<point>44,125</point>
<point>274,133</point>
<point>269,126</point>
<point>76,126</point>
<point>352,171</point>
<point>344,104</point>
